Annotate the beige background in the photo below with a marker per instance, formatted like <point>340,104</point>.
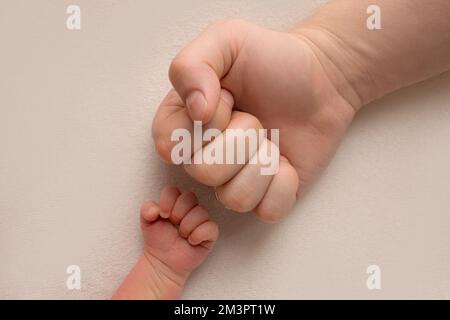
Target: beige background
<point>77,160</point>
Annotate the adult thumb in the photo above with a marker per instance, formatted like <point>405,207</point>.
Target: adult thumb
<point>196,71</point>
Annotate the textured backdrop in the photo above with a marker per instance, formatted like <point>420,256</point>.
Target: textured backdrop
<point>77,160</point>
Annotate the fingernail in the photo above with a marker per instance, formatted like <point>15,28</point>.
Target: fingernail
<point>192,242</point>
<point>164,215</point>
<point>196,104</point>
<point>153,211</point>
<point>216,195</point>
<point>227,97</point>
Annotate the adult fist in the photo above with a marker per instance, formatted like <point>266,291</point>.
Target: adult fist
<point>237,75</point>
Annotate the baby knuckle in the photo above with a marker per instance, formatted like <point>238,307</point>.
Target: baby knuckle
<point>202,211</point>
<point>188,196</point>
<point>215,230</point>
<point>183,230</point>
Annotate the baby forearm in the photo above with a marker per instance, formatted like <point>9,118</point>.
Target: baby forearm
<point>412,45</point>
<point>147,281</point>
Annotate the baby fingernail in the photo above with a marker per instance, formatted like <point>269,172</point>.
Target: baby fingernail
<point>153,211</point>
<point>192,242</point>
<point>164,215</point>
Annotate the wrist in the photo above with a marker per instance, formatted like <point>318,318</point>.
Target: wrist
<point>347,70</point>
<point>167,282</point>
<point>376,62</point>
<point>151,279</point>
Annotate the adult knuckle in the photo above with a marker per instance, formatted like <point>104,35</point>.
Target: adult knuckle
<point>237,201</point>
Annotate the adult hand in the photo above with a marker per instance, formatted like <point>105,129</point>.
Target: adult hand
<point>239,75</point>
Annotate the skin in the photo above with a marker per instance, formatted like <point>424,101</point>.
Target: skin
<point>308,82</point>
<point>178,236</point>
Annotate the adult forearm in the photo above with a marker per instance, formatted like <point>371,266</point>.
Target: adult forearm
<point>412,45</point>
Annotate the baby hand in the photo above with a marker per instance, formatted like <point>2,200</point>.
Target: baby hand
<point>178,234</point>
